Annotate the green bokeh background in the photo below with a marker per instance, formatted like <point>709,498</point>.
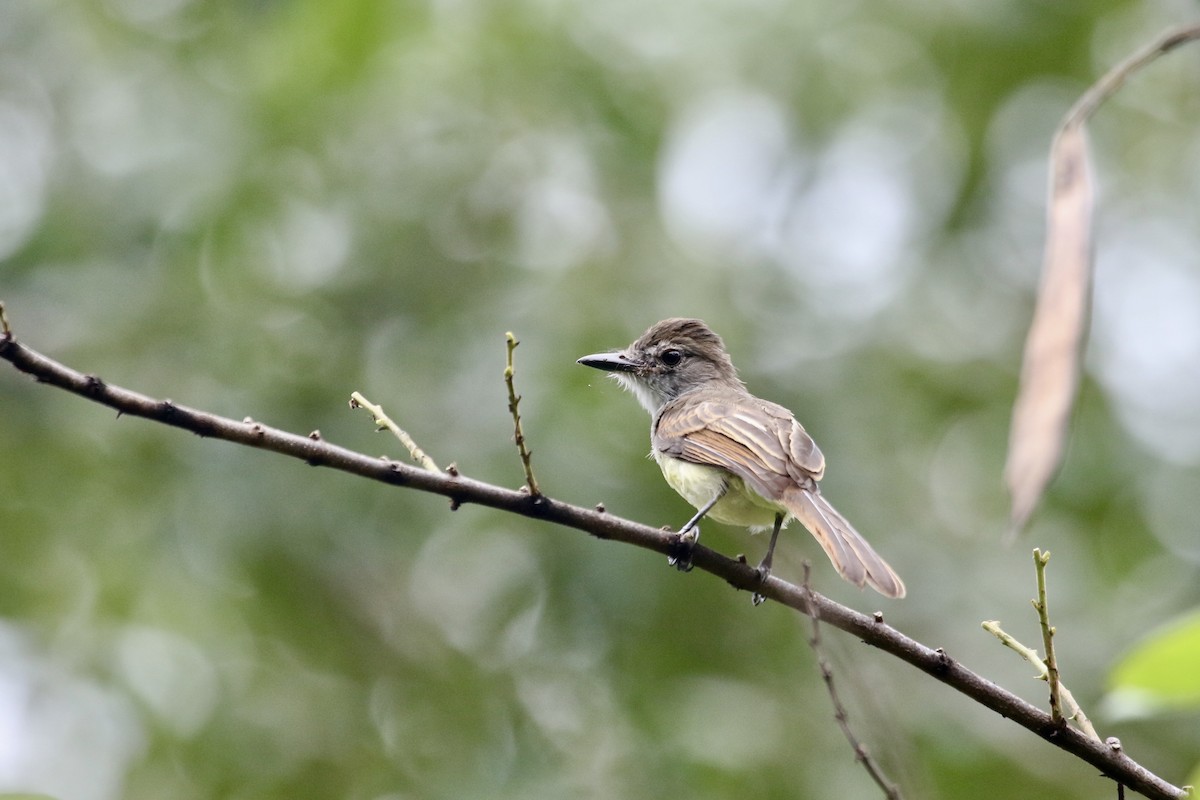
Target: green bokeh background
<point>258,207</point>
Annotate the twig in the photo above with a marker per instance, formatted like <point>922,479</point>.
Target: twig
<point>1040,560</point>
<point>385,422</point>
<point>871,629</point>
<point>861,755</point>
<point>514,400</point>
<point>1115,78</point>
<point>1031,655</point>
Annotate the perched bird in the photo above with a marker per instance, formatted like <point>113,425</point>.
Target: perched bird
<point>738,459</point>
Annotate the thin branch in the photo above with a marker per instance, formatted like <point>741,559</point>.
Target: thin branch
<point>1113,763</point>
<point>861,754</point>
<point>1032,656</point>
<point>1115,78</point>
<point>514,400</point>
<point>1040,560</point>
<point>385,422</point>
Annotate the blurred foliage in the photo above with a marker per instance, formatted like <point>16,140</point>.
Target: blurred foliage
<point>256,208</point>
<point>1161,672</point>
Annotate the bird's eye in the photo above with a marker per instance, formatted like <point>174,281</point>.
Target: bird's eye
<point>671,357</point>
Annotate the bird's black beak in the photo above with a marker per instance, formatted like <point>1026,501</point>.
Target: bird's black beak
<point>616,361</point>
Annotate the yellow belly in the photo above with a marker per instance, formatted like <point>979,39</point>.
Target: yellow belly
<point>698,484</point>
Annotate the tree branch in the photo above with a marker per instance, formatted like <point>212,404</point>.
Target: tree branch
<point>1036,661</point>
<point>384,422</point>
<point>514,402</point>
<point>861,754</point>
<point>1109,760</point>
<point>1040,560</point>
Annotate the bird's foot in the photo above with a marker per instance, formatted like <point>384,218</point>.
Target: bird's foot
<point>764,572</point>
<point>680,556</point>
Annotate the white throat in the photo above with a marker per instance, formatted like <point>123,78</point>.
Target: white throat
<point>649,399</point>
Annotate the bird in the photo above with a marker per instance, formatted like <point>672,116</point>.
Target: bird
<point>736,458</point>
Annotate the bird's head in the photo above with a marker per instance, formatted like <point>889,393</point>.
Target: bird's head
<point>673,357</point>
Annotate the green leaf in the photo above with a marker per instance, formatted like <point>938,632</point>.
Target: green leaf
<point>1161,673</point>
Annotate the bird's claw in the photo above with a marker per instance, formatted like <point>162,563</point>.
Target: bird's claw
<point>681,555</point>
<point>763,573</point>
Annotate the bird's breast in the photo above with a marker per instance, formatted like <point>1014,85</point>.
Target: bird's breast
<point>700,483</point>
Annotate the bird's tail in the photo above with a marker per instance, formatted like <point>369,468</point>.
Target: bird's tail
<point>854,559</point>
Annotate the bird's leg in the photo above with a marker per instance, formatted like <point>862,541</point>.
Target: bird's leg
<point>689,535</point>
<point>764,566</point>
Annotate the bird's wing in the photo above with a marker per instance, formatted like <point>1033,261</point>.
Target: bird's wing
<point>807,460</point>
<point>759,442</point>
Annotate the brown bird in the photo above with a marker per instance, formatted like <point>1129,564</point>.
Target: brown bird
<point>738,459</point>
